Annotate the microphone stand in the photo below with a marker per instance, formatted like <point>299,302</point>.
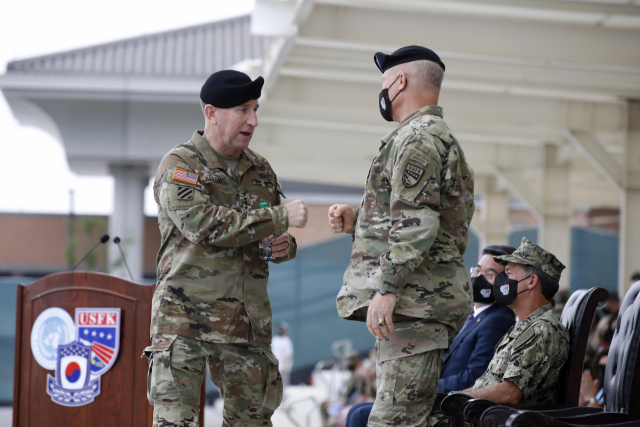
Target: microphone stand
<point>116,240</point>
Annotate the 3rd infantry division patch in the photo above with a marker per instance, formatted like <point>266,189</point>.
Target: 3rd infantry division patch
<point>185,193</point>
<point>411,175</point>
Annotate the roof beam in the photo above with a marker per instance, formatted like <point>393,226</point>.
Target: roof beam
<point>460,85</point>
<point>334,44</point>
<point>513,180</point>
<point>382,130</point>
<point>597,155</point>
<point>626,18</point>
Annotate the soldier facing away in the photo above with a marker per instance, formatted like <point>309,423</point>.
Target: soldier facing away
<point>211,304</point>
<point>406,278</point>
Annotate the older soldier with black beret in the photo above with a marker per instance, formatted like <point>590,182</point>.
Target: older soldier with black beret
<point>406,278</point>
<point>216,200</point>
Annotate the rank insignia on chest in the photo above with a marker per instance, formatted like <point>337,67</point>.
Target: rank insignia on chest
<point>185,176</point>
<point>185,193</point>
<point>411,175</point>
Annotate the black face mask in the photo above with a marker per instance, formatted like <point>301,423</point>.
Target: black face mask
<point>482,290</point>
<point>505,290</point>
<point>385,103</point>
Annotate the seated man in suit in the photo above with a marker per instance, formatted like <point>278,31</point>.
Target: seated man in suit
<point>472,349</point>
<point>526,367</point>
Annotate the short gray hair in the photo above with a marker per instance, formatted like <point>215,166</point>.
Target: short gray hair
<point>428,74</point>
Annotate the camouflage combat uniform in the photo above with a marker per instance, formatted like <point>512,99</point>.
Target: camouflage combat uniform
<point>211,301</point>
<point>532,354</point>
<point>410,237</point>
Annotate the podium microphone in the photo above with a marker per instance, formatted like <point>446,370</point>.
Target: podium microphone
<point>116,240</point>
<point>103,239</point>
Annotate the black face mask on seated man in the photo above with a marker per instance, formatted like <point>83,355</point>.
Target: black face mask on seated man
<point>505,290</point>
<point>482,290</point>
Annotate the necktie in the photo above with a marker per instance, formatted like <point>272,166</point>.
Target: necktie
<point>466,323</point>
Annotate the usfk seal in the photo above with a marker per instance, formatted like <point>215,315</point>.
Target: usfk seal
<point>99,328</point>
<point>486,293</point>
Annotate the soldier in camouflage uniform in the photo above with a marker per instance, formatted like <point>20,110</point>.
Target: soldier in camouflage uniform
<point>526,367</point>
<point>406,278</point>
<point>211,304</point>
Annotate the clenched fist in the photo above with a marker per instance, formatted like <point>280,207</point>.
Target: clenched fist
<point>342,218</point>
<point>297,213</point>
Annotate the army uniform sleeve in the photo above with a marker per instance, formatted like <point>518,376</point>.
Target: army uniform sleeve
<point>203,222</point>
<point>534,355</point>
<point>415,200</point>
<point>293,246</point>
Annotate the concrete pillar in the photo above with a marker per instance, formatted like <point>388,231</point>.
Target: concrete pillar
<point>495,215</point>
<point>629,254</point>
<point>554,230</point>
<point>127,220</point>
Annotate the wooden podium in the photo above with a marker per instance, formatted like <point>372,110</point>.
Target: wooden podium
<point>123,395</point>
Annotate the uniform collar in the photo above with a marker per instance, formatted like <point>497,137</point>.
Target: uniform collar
<point>247,158</point>
<point>529,320</point>
<point>434,110</point>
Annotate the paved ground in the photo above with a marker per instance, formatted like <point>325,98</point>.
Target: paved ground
<point>300,403</point>
<point>6,416</point>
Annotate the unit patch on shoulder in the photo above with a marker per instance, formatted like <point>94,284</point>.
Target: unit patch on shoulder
<point>185,193</point>
<point>185,176</point>
<point>418,159</point>
<point>523,338</point>
<point>411,175</point>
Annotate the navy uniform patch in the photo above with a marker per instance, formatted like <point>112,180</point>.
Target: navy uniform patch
<point>411,175</point>
<point>185,193</point>
<point>523,338</point>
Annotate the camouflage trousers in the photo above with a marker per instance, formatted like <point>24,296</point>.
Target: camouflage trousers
<point>407,380</point>
<point>246,374</point>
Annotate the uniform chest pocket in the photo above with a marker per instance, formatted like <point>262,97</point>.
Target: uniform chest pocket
<point>260,191</point>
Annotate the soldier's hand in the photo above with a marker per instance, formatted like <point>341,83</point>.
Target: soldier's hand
<point>297,213</point>
<point>381,308</point>
<point>342,218</point>
<point>280,246</point>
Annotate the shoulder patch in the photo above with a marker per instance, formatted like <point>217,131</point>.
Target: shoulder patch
<point>523,338</point>
<point>185,176</point>
<point>185,193</point>
<point>418,159</point>
<point>411,175</point>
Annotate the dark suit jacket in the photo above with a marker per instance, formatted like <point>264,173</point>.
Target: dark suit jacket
<point>473,348</point>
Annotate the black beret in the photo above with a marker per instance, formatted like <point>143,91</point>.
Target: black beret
<point>406,54</point>
<point>230,88</point>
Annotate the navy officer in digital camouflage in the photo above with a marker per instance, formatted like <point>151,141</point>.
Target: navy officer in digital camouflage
<point>216,200</point>
<point>406,278</point>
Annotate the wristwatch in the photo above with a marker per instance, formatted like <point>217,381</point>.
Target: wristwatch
<point>382,292</point>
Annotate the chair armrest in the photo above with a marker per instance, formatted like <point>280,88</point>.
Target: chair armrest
<point>596,419</point>
<point>570,412</point>
<point>494,416</point>
<point>474,409</point>
<point>454,404</point>
<point>536,419</point>
<point>438,402</point>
